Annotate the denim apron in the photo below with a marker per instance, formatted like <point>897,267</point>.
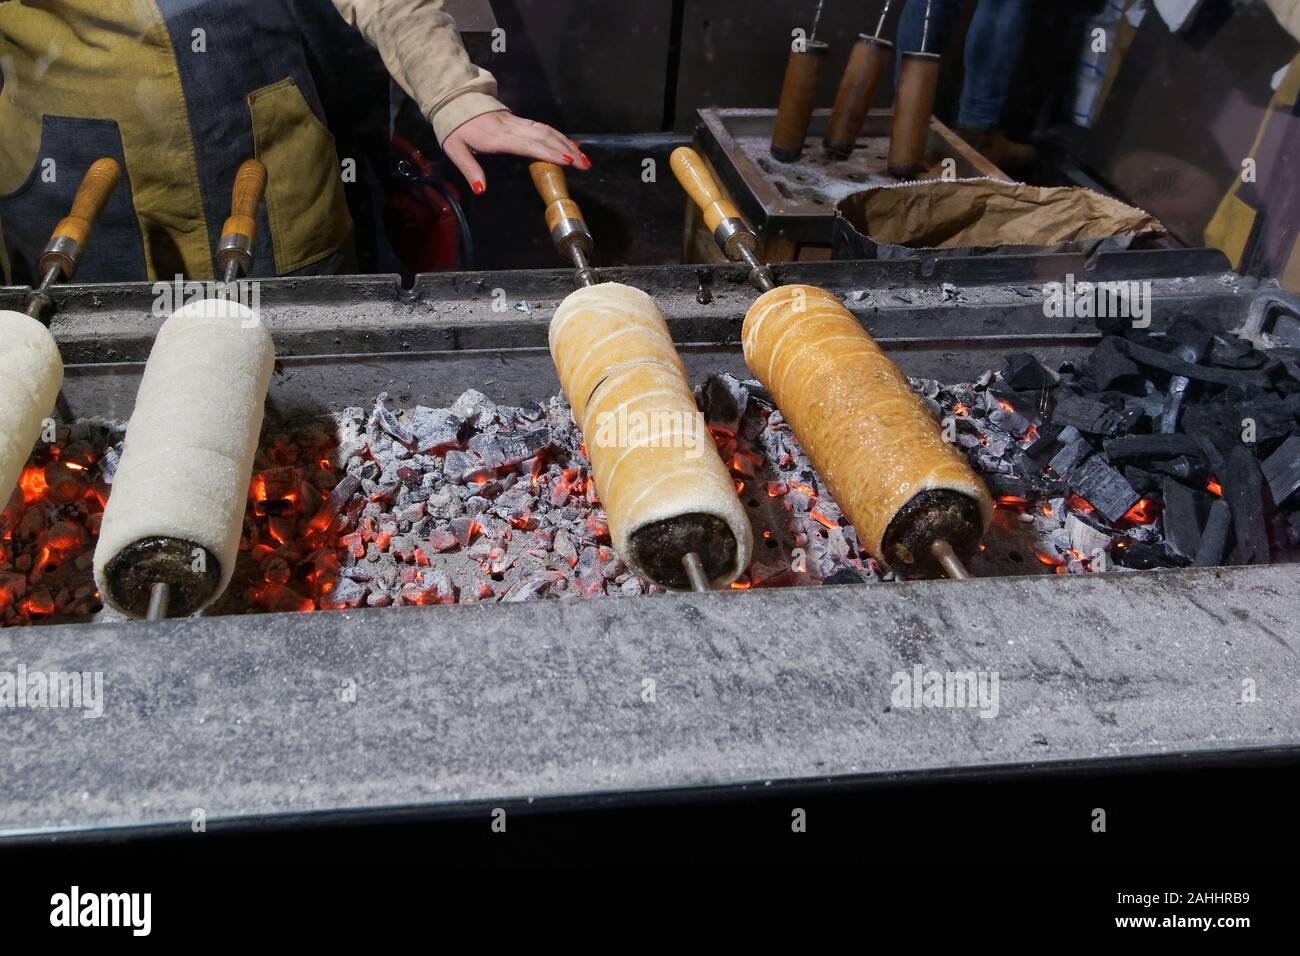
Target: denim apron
<point>179,92</point>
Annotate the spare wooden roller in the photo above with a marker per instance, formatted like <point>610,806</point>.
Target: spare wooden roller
<point>918,80</point>
<point>657,471</point>
<point>869,435</point>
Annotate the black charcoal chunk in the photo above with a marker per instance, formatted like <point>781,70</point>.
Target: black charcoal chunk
<point>1214,537</point>
<point>1130,447</point>
<point>1153,358</point>
<point>1103,487</point>
<point>1184,515</point>
<point>1108,365</point>
<point>1070,456</point>
<point>1143,556</point>
<point>844,576</point>
<point>1244,490</point>
<point>1023,372</point>
<point>723,399</point>
<point>1088,415</point>
<point>1282,470</point>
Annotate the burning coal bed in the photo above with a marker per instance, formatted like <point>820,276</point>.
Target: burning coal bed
<point>1152,453</point>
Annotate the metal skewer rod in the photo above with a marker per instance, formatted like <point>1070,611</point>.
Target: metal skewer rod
<point>160,596</point>
<point>948,560</point>
<point>695,572</point>
<point>883,13</point>
<point>925,28</point>
<point>817,19</point>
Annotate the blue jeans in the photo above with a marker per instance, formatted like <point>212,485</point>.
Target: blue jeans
<point>993,46</point>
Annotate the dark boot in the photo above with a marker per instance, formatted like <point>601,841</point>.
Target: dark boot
<point>1004,153</point>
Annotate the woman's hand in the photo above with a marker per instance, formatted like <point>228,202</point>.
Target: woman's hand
<point>502,132</point>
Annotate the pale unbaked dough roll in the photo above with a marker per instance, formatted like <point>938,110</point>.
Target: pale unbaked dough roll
<point>867,432</point>
<point>656,468</point>
<point>31,374</point>
<point>600,328</point>
<point>190,444</point>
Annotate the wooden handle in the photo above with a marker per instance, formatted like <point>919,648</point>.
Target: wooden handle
<point>250,186</point>
<point>700,185</point>
<point>554,190</point>
<point>92,196</point>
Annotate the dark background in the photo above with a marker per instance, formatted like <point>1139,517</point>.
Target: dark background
<point>627,78</point>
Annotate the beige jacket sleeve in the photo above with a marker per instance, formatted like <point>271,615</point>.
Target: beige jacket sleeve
<point>421,48</point>
<point>1288,14</point>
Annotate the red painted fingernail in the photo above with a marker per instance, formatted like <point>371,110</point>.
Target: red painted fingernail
<point>478,187</point>
<point>567,159</point>
<point>585,161</point>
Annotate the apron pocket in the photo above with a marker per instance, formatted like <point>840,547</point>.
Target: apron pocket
<point>305,203</point>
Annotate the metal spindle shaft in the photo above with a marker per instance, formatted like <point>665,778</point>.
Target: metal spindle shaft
<point>232,273</point>
<point>159,597</point>
<point>925,28</point>
<point>948,560</point>
<point>817,19</point>
<point>883,13</point>
<point>39,303</point>
<point>585,274</point>
<point>695,572</point>
<point>759,273</point>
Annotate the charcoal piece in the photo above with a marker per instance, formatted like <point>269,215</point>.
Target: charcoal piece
<point>1154,358</point>
<point>1185,469</point>
<point>1178,388</point>
<point>1214,536</point>
<point>1135,447</point>
<point>1023,372</point>
<point>1047,442</point>
<point>1272,418</point>
<point>1103,487</point>
<point>526,590</point>
<point>1145,556</point>
<point>1086,537</point>
<point>1141,479</point>
<point>388,422</point>
<point>517,447</point>
<point>844,576</point>
<point>1184,515</point>
<point>1282,470</point>
<point>1108,365</point>
<point>475,407</point>
<point>1248,497</point>
<point>464,528</point>
<point>723,400</point>
<point>1070,456</point>
<point>1285,358</point>
<point>347,592</point>
<point>1192,334</point>
<point>1008,486</point>
<point>434,430</point>
<point>460,466</point>
<point>1088,415</point>
<point>1228,351</point>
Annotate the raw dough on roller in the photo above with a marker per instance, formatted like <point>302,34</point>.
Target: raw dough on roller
<point>652,457</point>
<point>867,432</point>
<point>31,374</point>
<point>190,444</point>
